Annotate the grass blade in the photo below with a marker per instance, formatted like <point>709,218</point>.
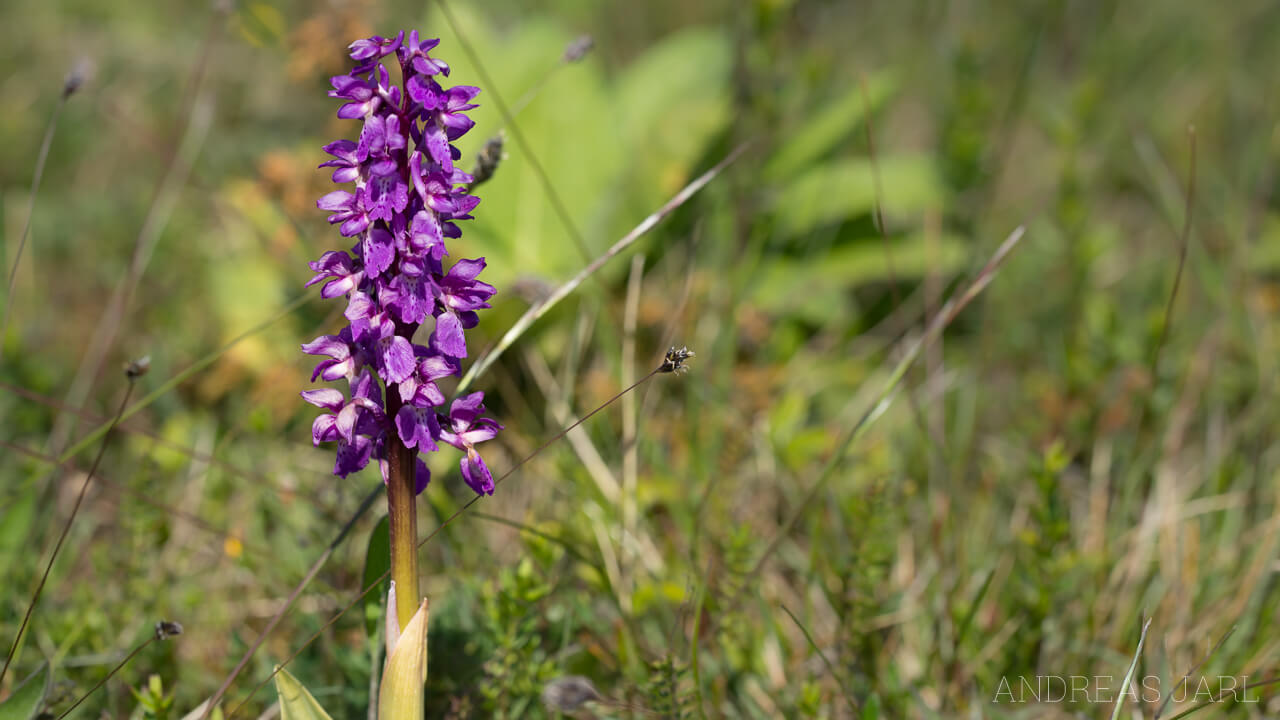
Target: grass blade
<point>537,311</point>
<point>1133,667</point>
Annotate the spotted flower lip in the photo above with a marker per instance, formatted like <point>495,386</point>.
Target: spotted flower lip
<point>404,200</point>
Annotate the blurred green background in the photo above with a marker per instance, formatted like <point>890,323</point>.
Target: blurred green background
<point>1066,461</point>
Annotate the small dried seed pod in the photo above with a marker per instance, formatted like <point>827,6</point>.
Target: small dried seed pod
<point>569,693</point>
<point>137,368</point>
<point>166,629</point>
<point>488,160</point>
<point>675,359</point>
<point>579,48</point>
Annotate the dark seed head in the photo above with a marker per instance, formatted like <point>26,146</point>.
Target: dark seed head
<point>137,368</point>
<point>569,693</point>
<point>675,359</point>
<point>488,160</point>
<point>166,629</point>
<point>77,77</point>
<point>579,48</point>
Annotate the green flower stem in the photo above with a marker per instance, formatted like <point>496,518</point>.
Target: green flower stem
<point>402,512</point>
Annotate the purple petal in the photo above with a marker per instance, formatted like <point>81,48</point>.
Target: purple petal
<point>322,430</point>
<point>479,435</point>
<point>355,225</point>
<point>438,146</point>
<point>336,200</point>
<point>378,250</point>
<point>449,335</point>
<point>435,367</point>
<point>347,418</point>
<point>352,456</point>
<point>466,270</point>
<point>422,476</point>
<point>425,91</point>
<point>397,358</point>
<point>407,426</point>
<point>327,398</point>
<point>476,473</point>
<point>330,345</point>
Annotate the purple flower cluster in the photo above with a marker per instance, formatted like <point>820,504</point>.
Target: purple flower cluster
<point>407,199</point>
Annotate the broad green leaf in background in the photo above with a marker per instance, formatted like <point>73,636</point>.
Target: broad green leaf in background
<point>1264,254</point>
<point>295,702</point>
<point>614,146</point>
<point>26,700</point>
<point>15,526</point>
<point>829,127</point>
<point>871,709</point>
<point>670,103</point>
<point>259,24</point>
<point>810,287</point>
<point>377,562</point>
<point>838,190</point>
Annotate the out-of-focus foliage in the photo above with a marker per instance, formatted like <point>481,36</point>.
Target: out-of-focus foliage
<point>1059,466</point>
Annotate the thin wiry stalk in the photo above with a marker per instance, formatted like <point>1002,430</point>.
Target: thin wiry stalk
<point>111,674</point>
<point>694,665</point>
<point>377,581</point>
<point>534,313</point>
<point>1219,698</point>
<point>630,456</point>
<point>878,208</point>
<point>84,414</point>
<point>189,371</point>
<point>1194,668</point>
<point>284,608</point>
<point>197,118</point>
<point>947,314</point>
<point>568,546</point>
<point>508,118</point>
<point>878,193</point>
<point>144,497</point>
<point>568,58</point>
<point>68,88</point>
<point>66,528</point>
<point>848,696</point>
<point>1183,242</point>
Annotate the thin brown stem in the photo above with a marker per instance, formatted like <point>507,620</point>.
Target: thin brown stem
<point>31,209</point>
<point>1184,240</point>
<point>66,528</point>
<point>508,119</point>
<point>288,603</point>
<point>111,674</point>
<point>402,515</point>
<point>665,367</point>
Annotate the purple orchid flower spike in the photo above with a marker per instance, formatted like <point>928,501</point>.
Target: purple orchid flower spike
<point>406,200</point>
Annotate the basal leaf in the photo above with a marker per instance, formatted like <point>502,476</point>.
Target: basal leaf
<point>829,127</point>
<point>377,561</point>
<point>843,189</point>
<point>295,702</point>
<point>26,700</point>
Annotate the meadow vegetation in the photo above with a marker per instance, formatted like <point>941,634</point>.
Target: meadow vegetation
<point>789,529</point>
